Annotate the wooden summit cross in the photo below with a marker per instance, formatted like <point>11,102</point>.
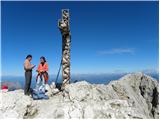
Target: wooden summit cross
<point>64,27</point>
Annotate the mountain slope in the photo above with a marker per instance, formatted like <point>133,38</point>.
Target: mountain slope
<point>133,96</point>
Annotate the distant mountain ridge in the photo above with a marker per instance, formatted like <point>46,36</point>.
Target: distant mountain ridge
<point>105,78</point>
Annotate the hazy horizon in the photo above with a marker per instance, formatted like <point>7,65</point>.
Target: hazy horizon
<point>114,72</point>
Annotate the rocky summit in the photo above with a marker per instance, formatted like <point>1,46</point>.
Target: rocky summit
<point>133,96</point>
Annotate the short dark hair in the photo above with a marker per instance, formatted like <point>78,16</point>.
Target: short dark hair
<point>29,56</point>
<point>43,58</point>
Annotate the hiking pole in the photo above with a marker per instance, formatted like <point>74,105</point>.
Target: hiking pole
<point>58,72</point>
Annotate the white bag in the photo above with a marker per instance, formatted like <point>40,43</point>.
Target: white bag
<point>47,87</point>
<point>53,85</point>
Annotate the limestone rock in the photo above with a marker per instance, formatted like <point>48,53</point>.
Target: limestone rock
<point>51,89</point>
<point>133,96</point>
<point>14,104</point>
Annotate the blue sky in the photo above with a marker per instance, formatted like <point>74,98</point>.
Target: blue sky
<point>106,36</point>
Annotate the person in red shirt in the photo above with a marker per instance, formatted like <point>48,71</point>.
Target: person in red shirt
<point>42,77</point>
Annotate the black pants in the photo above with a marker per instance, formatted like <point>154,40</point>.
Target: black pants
<point>28,78</point>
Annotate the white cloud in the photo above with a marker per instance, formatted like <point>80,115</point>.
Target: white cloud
<point>117,51</point>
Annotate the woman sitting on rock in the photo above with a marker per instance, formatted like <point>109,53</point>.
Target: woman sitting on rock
<point>42,77</point>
